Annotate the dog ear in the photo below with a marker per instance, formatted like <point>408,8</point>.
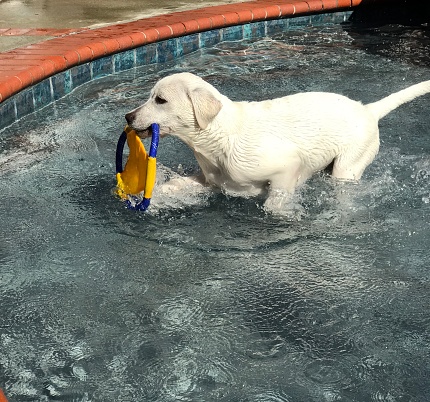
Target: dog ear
<point>205,105</point>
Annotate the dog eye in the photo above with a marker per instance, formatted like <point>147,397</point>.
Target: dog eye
<point>159,101</point>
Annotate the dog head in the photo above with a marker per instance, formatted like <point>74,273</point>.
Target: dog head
<point>181,104</point>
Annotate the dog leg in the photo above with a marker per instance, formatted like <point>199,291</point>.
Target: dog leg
<point>350,164</point>
<point>280,200</point>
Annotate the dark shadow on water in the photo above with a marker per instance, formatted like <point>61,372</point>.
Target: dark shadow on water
<point>404,12</point>
<point>398,29</point>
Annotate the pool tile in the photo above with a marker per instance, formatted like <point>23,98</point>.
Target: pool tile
<point>140,55</point>
<point>254,30</point>
<point>166,50</point>
<point>189,43</point>
<point>179,48</point>
<point>124,61</point>
<point>7,113</point>
<point>232,33</point>
<point>42,94</point>
<point>277,26</point>
<point>80,75</point>
<point>146,55</point>
<point>102,67</point>
<point>24,102</point>
<point>335,18</point>
<point>299,21</point>
<point>210,38</point>
<point>61,84</point>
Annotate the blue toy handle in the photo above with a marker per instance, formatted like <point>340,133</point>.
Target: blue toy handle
<point>140,206</point>
<point>155,129</point>
<point>119,151</point>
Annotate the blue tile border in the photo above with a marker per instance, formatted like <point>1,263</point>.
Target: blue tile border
<point>80,75</point>
<point>102,67</point>
<point>43,94</point>
<point>62,84</point>
<point>124,61</point>
<point>24,103</point>
<point>167,50</point>
<point>210,38</point>
<point>145,55</point>
<point>56,87</point>
<point>258,29</point>
<point>8,112</point>
<point>232,33</point>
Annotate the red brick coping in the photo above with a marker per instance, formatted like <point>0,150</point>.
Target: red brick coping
<point>26,66</point>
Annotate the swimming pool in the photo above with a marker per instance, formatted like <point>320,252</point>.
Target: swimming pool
<point>210,298</point>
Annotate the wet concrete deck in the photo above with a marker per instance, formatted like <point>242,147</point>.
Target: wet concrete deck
<point>23,22</point>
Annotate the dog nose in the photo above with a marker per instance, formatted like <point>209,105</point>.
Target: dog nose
<point>130,117</point>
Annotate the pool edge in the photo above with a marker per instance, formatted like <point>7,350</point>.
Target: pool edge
<point>38,66</point>
<point>26,66</point>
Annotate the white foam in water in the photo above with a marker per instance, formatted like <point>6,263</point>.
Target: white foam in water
<point>206,297</point>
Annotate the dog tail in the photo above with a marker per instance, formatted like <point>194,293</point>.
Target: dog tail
<point>391,102</point>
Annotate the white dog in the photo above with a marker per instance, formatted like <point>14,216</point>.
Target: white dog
<point>274,145</point>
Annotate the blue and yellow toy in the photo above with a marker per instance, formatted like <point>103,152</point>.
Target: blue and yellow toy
<point>139,172</point>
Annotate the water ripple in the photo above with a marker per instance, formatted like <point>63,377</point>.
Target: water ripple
<point>267,348</point>
<point>210,298</point>
<point>178,315</point>
<point>327,371</point>
<point>271,396</point>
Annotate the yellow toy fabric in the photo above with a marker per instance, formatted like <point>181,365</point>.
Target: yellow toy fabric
<point>132,180</point>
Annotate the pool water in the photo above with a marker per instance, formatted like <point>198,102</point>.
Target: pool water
<point>208,298</point>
